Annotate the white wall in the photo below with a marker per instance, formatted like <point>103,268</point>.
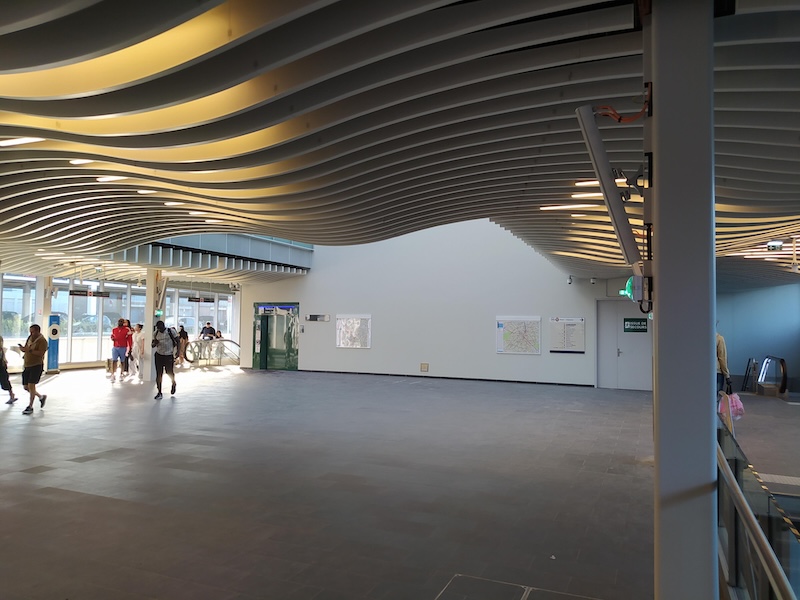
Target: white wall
<point>433,296</point>
<point>761,322</point>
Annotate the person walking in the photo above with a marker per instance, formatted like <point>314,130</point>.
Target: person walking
<point>723,373</point>
<point>119,337</point>
<point>165,345</point>
<point>5,382</point>
<point>33,365</point>
<point>126,365</point>
<point>183,340</point>
<point>137,350</point>
<point>207,334</point>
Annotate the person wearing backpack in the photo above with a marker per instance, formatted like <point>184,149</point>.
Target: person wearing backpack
<point>165,346</point>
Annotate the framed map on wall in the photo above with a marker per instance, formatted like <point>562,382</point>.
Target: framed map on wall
<point>353,331</point>
<point>518,335</point>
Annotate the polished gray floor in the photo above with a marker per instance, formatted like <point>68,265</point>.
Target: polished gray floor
<point>321,486</point>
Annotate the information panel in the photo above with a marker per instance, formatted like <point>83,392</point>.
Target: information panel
<point>519,335</point>
<point>568,335</point>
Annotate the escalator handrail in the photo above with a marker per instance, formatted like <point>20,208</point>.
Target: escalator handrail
<point>223,341</point>
<point>766,555</point>
<point>784,377</point>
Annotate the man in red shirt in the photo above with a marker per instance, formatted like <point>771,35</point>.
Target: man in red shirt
<point>119,337</point>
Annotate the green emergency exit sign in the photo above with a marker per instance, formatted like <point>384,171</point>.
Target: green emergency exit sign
<point>634,325</point>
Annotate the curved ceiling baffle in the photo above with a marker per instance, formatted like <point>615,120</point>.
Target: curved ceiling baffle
<point>345,122</point>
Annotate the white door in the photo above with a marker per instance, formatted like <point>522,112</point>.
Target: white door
<point>624,346</point>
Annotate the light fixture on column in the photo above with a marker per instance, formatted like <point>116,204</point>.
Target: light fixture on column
<point>611,193</point>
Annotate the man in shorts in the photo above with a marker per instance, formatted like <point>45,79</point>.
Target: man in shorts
<point>33,365</point>
<point>121,338</point>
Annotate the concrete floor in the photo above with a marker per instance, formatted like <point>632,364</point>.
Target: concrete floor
<point>321,486</point>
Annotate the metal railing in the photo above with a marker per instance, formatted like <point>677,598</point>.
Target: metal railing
<point>767,368</point>
<point>212,352</point>
<point>748,561</point>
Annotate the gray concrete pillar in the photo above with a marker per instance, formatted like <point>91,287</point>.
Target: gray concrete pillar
<point>151,303</point>
<point>682,136</point>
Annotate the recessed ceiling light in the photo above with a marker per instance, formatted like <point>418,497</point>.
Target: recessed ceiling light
<point>213,220</point>
<point>107,178</point>
<point>594,182</point>
<point>146,192</point>
<point>80,161</point>
<point>197,212</point>
<point>588,195</point>
<point>567,206</point>
<point>19,141</point>
<point>173,203</point>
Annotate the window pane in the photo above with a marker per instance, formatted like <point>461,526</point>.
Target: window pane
<point>206,312</point>
<point>115,307</point>
<point>59,305</point>
<point>18,313</point>
<point>224,314</point>
<point>137,305</point>
<point>85,329</point>
<point>187,314</point>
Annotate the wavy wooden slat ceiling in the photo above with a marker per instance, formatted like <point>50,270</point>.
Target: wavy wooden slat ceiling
<point>352,121</point>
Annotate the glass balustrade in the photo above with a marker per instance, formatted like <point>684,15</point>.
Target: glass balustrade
<point>738,549</point>
<point>212,352</point>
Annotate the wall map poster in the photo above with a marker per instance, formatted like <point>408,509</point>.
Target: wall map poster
<point>353,331</point>
<point>519,335</point>
<point>568,335</point>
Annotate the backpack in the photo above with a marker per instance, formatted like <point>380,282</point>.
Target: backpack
<point>174,339</point>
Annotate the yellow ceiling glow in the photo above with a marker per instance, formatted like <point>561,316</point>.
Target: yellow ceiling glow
<point>205,33</point>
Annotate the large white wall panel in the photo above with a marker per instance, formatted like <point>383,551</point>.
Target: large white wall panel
<point>433,296</point>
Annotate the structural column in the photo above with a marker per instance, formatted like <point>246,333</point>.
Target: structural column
<point>152,298</point>
<point>679,56</point>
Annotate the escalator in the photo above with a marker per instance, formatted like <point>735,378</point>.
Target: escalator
<point>212,353</point>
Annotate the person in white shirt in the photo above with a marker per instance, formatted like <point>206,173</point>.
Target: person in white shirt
<point>137,350</point>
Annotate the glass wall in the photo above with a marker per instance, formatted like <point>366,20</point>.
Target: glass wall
<point>18,314</point>
<point>87,315</point>
<point>137,304</point>
<point>185,311</point>
<point>87,323</point>
<point>60,305</point>
<point>114,307</point>
<point>19,306</point>
<point>193,313</point>
<point>224,314</point>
